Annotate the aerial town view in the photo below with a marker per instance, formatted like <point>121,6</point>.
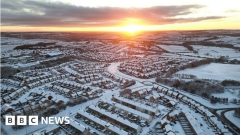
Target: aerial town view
<point>120,67</point>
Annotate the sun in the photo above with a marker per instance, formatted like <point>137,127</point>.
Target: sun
<point>132,28</point>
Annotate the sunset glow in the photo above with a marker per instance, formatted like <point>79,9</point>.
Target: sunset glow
<point>122,16</point>
<point>131,28</point>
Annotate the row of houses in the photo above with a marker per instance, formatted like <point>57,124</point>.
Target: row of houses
<point>16,94</point>
<point>44,81</point>
<point>7,90</point>
<point>75,93</point>
<point>149,67</point>
<point>196,106</point>
<point>12,82</point>
<point>89,76</point>
<point>105,57</point>
<point>33,104</point>
<point>99,124</point>
<point>87,69</point>
<point>74,128</point>
<point>135,105</point>
<point>106,84</point>
<point>115,119</point>
<point>33,79</point>
<point>128,111</point>
<point>87,65</point>
<point>88,80</point>
<point>114,77</point>
<point>27,73</point>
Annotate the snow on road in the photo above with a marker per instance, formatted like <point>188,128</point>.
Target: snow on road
<point>234,120</point>
<point>113,69</point>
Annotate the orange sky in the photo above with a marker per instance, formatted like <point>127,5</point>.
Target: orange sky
<point>127,16</point>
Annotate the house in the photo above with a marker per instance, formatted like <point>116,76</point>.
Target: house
<point>201,109</point>
<point>27,110</point>
<point>193,123</point>
<point>6,108</point>
<point>51,130</point>
<point>57,100</point>
<point>174,95</point>
<point>14,95</point>
<point>131,126</point>
<point>141,115</point>
<point>140,107</point>
<point>141,93</point>
<point>173,115</point>
<point>164,122</point>
<point>171,103</point>
<point>185,100</point>
<point>164,91</point>
<point>169,93</point>
<point>179,97</point>
<point>154,98</point>
<point>168,128</point>
<point>74,95</point>
<point>6,99</point>
<point>161,95</point>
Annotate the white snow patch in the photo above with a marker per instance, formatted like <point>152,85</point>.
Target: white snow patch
<point>234,120</point>
<point>215,71</point>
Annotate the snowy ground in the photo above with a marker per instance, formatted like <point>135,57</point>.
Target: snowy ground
<point>171,55</point>
<point>5,48</point>
<point>207,102</point>
<point>219,112</point>
<point>174,48</point>
<point>228,94</point>
<point>21,41</point>
<point>214,71</point>
<point>228,39</point>
<point>214,52</point>
<point>234,120</point>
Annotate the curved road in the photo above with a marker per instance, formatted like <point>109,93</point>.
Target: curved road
<point>228,121</point>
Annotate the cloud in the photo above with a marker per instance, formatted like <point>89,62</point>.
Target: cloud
<point>56,14</point>
<point>232,11</point>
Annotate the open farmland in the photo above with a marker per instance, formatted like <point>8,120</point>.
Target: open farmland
<point>215,71</point>
<point>213,52</point>
<point>174,48</point>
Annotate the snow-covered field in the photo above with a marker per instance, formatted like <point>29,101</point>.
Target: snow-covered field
<point>10,43</point>
<point>214,71</point>
<point>214,52</point>
<point>207,102</point>
<point>227,94</point>
<point>21,41</point>
<point>174,48</point>
<point>228,39</point>
<point>5,48</point>
<point>234,120</point>
<point>171,55</point>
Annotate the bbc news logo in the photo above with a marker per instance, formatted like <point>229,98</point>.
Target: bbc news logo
<point>33,120</point>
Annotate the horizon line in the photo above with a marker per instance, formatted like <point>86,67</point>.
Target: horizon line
<point>142,31</point>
